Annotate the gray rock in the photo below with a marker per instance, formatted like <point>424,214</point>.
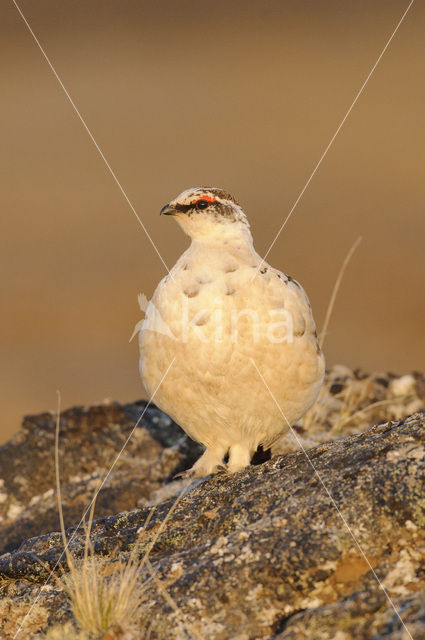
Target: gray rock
<point>90,440</point>
<point>264,553</point>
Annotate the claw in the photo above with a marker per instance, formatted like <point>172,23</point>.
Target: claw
<point>189,473</point>
<point>222,469</point>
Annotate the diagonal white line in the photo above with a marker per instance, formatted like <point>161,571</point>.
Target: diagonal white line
<point>294,433</point>
<point>83,122</point>
<point>94,498</point>
<point>322,157</point>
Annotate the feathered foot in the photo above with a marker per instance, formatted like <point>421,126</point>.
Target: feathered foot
<point>210,462</point>
<point>239,458</point>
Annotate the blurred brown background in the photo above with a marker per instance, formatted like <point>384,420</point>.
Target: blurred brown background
<point>241,95</point>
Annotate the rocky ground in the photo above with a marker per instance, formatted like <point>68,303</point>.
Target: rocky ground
<point>274,551</point>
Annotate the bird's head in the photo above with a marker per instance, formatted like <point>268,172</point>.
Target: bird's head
<point>207,213</point>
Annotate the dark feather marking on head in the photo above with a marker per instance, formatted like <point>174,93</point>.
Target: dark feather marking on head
<point>220,210</point>
<point>219,193</point>
<point>184,208</point>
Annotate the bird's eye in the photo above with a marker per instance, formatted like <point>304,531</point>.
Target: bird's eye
<point>202,204</point>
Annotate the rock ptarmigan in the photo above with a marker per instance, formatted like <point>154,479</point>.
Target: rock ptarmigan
<point>217,313</point>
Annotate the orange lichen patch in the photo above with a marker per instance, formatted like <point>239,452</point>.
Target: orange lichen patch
<point>351,568</point>
<point>415,586</point>
<point>146,532</point>
<point>211,514</point>
<point>113,633</point>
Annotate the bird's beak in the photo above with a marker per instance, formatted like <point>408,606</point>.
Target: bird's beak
<point>168,210</point>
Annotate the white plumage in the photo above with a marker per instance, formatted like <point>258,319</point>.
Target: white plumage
<point>215,313</point>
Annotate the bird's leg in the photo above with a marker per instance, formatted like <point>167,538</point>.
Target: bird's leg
<point>239,458</point>
<point>209,462</point>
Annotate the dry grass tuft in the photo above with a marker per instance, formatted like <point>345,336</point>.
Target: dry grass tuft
<point>335,289</point>
<point>351,401</point>
<point>110,593</point>
<point>103,592</point>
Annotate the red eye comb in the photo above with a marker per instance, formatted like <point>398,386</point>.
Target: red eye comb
<point>207,198</point>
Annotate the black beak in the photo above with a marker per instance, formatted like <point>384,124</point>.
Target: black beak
<point>168,210</point>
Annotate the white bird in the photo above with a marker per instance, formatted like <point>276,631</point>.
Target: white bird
<point>227,314</point>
